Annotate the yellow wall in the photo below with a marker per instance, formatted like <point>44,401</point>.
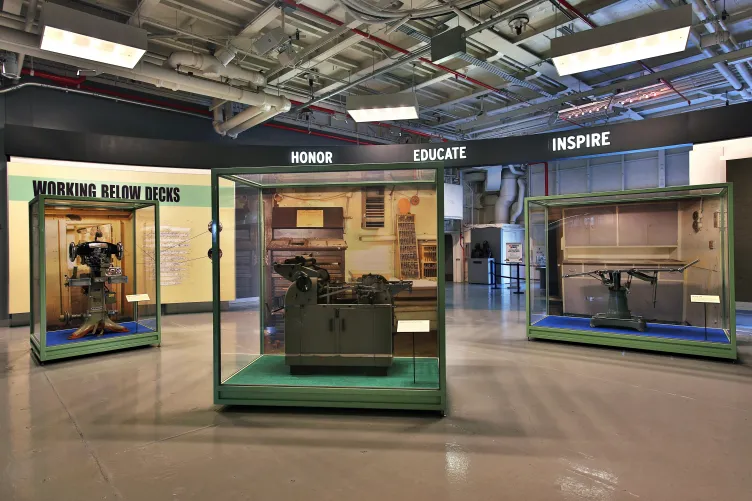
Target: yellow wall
<point>192,212</point>
<point>369,256</point>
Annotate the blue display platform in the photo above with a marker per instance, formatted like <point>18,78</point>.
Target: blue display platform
<point>666,331</point>
<point>57,338</point>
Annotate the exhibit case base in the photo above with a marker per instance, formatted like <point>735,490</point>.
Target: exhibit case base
<point>94,268</point>
<point>680,339</point>
<point>335,282</point>
<point>644,269</point>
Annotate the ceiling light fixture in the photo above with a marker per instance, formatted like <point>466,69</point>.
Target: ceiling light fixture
<point>378,107</point>
<point>78,34</point>
<point>655,34</point>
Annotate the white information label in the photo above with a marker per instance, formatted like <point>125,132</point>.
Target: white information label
<point>514,253</point>
<point>699,298</point>
<point>413,326</point>
<point>136,298</point>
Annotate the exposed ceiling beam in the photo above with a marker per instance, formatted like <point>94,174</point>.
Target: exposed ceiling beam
<point>553,104</point>
<point>557,20</point>
<point>260,21</point>
<point>504,47</point>
<point>143,9</point>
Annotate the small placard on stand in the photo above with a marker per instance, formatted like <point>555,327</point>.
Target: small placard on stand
<point>136,298</point>
<point>705,299</point>
<point>413,326</point>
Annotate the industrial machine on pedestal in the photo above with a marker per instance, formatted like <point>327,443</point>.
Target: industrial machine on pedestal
<point>619,314</point>
<point>102,272</point>
<point>337,324</point>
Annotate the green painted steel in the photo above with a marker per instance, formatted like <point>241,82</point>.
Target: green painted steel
<point>349,397</point>
<point>39,348</point>
<point>684,347</point>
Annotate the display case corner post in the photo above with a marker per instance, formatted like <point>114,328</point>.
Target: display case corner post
<point>730,264</point>
<point>527,248</point>
<point>216,318</point>
<point>42,266</point>
<point>158,271</point>
<point>441,277</point>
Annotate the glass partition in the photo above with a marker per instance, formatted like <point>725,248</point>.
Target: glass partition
<point>36,273</point>
<point>646,267</point>
<point>328,280</point>
<point>145,282</point>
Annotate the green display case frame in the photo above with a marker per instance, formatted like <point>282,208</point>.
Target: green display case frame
<point>327,397</point>
<point>678,346</point>
<point>39,348</point>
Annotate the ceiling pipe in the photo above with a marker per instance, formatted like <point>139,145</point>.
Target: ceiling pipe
<point>261,117</point>
<point>210,66</point>
<point>705,12</point>
<point>19,41</point>
<point>251,112</point>
<point>396,48</point>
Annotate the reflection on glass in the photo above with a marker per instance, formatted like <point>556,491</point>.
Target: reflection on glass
<point>97,256</point>
<point>318,268</point>
<point>648,264</point>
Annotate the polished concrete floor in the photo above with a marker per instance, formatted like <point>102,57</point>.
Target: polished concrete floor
<point>528,421</point>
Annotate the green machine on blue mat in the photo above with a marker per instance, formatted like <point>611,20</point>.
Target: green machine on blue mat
<point>680,234</point>
<point>94,268</point>
<point>318,266</point>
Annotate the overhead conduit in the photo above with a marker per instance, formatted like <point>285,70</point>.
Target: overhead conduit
<point>28,43</point>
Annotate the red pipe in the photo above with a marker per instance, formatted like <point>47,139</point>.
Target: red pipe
<point>55,78</point>
<point>319,134</point>
<point>78,83</point>
<point>390,45</point>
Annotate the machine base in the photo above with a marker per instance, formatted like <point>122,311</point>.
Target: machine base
<point>310,370</point>
<point>633,322</point>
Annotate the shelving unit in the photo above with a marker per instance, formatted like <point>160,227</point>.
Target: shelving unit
<point>428,256</point>
<point>407,244</point>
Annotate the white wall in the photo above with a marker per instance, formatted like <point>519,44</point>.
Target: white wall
<point>647,169</point>
<point>707,162</point>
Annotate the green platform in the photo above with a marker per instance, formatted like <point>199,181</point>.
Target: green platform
<point>270,370</point>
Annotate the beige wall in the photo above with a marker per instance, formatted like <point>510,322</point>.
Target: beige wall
<point>364,255</point>
<point>193,212</point>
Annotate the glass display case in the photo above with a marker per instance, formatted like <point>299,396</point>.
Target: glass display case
<point>94,275</point>
<point>331,304</point>
<point>647,269</point>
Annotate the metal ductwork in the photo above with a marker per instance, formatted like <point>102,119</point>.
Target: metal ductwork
<point>722,67</point>
<point>507,195</point>
<point>28,43</point>
<point>520,205</point>
<point>211,66</point>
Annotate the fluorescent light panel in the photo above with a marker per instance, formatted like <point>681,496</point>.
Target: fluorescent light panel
<point>383,107</point>
<point>623,52</point>
<point>652,35</point>
<point>77,34</point>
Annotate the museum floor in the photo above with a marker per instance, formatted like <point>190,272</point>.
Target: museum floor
<point>528,421</point>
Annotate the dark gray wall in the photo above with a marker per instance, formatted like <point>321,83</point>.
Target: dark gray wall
<point>739,172</point>
<point>53,109</point>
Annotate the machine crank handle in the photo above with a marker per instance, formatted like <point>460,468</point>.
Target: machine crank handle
<point>342,326</point>
<point>331,325</point>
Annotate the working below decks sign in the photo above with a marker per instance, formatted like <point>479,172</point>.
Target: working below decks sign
<point>105,190</point>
